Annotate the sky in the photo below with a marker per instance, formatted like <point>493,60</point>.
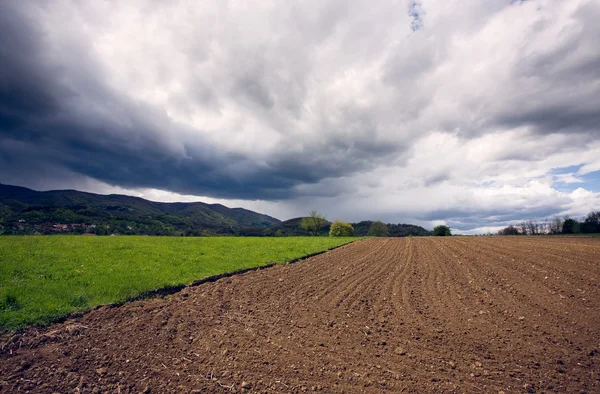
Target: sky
<point>474,114</point>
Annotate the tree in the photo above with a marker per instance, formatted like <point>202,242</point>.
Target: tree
<point>441,231</point>
<point>556,225</point>
<point>546,228</point>
<point>532,227</point>
<point>523,226</point>
<point>591,224</point>
<point>313,223</point>
<point>378,229</point>
<point>510,230</point>
<point>570,226</point>
<point>341,229</point>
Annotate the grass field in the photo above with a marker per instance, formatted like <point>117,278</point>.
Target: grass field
<point>44,278</point>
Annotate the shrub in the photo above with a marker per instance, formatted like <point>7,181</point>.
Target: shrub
<point>341,229</point>
<point>378,229</point>
<point>441,231</point>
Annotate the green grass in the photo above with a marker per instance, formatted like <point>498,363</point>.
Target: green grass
<point>45,278</point>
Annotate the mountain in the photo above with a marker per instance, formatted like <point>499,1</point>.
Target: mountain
<point>24,210</point>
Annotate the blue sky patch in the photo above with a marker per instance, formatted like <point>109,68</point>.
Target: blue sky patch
<point>415,11</point>
<point>564,179</point>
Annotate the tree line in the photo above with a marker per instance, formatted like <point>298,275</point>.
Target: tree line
<point>317,224</point>
<point>565,225</point>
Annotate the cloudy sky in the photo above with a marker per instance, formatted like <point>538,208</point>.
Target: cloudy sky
<point>472,113</point>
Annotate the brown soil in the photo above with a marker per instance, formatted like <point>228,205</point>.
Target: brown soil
<point>459,314</point>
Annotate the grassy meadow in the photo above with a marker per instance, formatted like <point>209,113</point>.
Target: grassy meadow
<point>44,278</point>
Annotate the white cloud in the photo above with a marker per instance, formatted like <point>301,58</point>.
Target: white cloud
<point>567,178</point>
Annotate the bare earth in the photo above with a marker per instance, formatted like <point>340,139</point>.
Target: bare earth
<point>459,314</point>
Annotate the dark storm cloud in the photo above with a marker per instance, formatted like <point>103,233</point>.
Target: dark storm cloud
<point>24,86</point>
<point>557,88</point>
<point>332,158</point>
<point>46,121</point>
<point>554,118</point>
<point>60,115</point>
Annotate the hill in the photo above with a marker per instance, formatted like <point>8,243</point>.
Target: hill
<point>26,211</point>
<point>23,210</point>
<point>292,227</point>
<point>361,229</point>
<point>395,230</point>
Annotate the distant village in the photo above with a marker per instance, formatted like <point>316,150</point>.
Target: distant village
<point>22,227</point>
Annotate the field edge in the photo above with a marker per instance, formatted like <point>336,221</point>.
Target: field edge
<point>166,291</point>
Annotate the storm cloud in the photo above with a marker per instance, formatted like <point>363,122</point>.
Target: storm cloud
<point>430,111</point>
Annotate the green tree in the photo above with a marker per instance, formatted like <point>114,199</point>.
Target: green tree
<point>441,231</point>
<point>378,229</point>
<point>314,222</point>
<point>570,226</point>
<point>591,223</point>
<point>341,229</point>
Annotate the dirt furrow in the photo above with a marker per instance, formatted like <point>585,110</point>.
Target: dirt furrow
<point>585,256</point>
<point>359,295</point>
<point>553,294</point>
<point>353,273</point>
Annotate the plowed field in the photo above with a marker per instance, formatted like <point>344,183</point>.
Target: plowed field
<point>458,314</point>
